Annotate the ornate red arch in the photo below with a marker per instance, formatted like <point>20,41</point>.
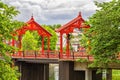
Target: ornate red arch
<point>77,22</point>
<point>32,25</point>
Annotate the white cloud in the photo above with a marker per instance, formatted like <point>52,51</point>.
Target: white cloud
<point>102,0</point>
<point>53,11</point>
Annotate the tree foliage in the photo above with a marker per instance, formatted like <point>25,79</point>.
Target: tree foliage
<point>29,42</point>
<point>6,72</point>
<point>53,39</point>
<point>33,41</point>
<point>102,40</point>
<point>7,26</point>
<point>55,26</point>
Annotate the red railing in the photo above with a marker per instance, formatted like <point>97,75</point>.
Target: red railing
<point>81,54</point>
<point>51,55</point>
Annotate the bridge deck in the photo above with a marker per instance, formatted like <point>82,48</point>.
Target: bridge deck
<point>31,60</point>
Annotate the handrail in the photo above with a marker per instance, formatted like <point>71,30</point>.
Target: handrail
<point>51,55</point>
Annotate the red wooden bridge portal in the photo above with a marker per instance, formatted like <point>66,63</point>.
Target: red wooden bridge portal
<point>78,22</point>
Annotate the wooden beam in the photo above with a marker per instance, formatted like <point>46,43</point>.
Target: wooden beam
<point>61,45</point>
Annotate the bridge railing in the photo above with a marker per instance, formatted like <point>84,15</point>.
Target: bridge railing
<point>52,55</point>
<point>36,54</point>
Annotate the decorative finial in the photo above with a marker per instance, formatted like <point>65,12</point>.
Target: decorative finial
<point>79,14</point>
<point>32,17</point>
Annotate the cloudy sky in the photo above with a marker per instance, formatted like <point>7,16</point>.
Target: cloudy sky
<point>53,11</point>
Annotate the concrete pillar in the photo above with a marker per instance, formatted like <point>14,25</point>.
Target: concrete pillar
<point>109,74</point>
<point>56,72</point>
<point>88,74</point>
<point>67,72</point>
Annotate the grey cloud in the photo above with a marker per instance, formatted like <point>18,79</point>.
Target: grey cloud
<point>53,11</point>
<point>59,16</point>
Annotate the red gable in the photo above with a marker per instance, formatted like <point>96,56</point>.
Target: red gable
<point>33,26</point>
<point>78,22</point>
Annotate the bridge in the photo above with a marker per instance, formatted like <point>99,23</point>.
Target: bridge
<point>34,65</point>
<point>68,28</point>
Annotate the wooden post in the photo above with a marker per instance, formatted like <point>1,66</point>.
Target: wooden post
<point>42,45</point>
<point>20,44</point>
<point>48,46</point>
<point>61,45</point>
<point>13,42</point>
<point>67,46</point>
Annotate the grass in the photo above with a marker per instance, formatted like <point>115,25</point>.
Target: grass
<point>115,74</point>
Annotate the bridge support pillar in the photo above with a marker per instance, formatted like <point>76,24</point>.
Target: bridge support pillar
<point>66,71</point>
<point>33,71</point>
<point>88,74</point>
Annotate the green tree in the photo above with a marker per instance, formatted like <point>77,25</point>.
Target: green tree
<point>29,42</point>
<point>7,26</point>
<point>38,38</point>
<point>53,39</point>
<point>33,41</point>
<point>55,26</point>
<point>102,40</point>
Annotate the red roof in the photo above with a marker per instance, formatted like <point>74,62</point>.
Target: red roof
<point>77,22</point>
<point>33,26</point>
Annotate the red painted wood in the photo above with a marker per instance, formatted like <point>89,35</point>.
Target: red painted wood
<point>53,55</point>
<point>32,25</point>
<point>67,28</point>
<point>61,45</point>
<point>13,42</point>
<point>20,41</point>
<point>78,22</point>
